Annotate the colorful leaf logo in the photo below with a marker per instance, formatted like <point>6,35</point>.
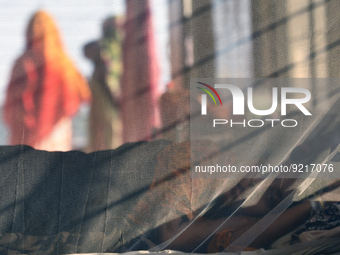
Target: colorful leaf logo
<point>209,93</point>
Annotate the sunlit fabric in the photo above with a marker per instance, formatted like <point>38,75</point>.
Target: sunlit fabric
<point>45,86</point>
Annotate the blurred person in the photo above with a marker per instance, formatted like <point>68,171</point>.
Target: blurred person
<point>140,76</point>
<point>45,90</point>
<point>105,124</point>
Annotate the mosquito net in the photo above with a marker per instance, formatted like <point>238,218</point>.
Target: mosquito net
<point>247,162</point>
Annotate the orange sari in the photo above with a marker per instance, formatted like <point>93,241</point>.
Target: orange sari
<point>45,88</point>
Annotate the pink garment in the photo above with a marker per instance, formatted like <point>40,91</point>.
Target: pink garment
<point>140,74</point>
